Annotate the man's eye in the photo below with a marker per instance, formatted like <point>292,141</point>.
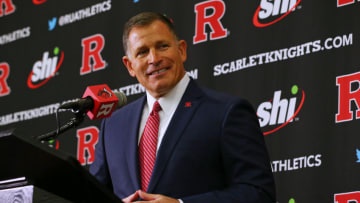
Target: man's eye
<point>142,52</point>
<point>164,46</point>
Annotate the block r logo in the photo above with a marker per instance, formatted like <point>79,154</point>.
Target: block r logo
<point>347,94</point>
<point>4,74</point>
<point>105,109</point>
<point>91,58</point>
<point>344,2</point>
<point>347,197</point>
<point>6,7</point>
<point>202,19</point>
<point>87,139</point>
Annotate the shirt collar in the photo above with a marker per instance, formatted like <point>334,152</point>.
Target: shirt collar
<point>170,101</point>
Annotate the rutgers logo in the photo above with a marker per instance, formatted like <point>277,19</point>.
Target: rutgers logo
<point>345,2</point>
<point>91,58</point>
<point>87,139</point>
<point>279,111</point>
<point>277,9</point>
<point>6,7</point>
<point>4,74</point>
<point>349,90</point>
<point>45,69</point>
<point>347,197</point>
<point>217,8</point>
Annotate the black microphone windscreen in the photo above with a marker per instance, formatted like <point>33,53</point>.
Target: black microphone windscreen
<point>122,99</point>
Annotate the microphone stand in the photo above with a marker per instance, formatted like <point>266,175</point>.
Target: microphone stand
<point>77,120</point>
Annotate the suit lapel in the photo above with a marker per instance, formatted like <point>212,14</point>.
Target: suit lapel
<point>132,145</point>
<point>182,116</point>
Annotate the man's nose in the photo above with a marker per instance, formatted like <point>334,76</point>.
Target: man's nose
<point>154,57</point>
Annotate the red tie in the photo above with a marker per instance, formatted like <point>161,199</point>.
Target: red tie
<point>147,146</point>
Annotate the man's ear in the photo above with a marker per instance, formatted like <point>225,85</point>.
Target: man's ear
<point>182,48</point>
<point>127,63</point>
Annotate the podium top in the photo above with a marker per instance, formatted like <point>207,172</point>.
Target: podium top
<point>51,170</point>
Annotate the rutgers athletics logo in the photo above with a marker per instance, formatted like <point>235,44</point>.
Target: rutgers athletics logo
<point>348,91</point>
<point>217,9</point>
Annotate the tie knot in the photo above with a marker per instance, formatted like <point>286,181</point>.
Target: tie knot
<point>156,107</point>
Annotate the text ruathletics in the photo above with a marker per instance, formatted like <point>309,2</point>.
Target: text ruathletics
<point>15,35</point>
<point>85,13</point>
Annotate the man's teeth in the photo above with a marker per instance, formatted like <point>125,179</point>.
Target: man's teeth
<point>159,71</point>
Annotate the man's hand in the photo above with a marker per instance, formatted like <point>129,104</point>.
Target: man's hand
<point>151,198</point>
<point>132,197</point>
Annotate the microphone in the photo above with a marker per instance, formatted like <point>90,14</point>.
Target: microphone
<point>98,101</point>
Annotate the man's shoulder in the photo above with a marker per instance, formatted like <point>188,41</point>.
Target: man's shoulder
<point>220,97</point>
<point>222,100</point>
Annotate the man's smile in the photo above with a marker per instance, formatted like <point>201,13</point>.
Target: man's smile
<point>158,71</point>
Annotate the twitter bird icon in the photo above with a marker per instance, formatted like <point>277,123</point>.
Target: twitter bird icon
<point>52,23</point>
<point>358,155</point>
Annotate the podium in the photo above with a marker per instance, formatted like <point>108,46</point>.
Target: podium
<point>50,170</point>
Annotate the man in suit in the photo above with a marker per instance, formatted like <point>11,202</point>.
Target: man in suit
<point>208,145</point>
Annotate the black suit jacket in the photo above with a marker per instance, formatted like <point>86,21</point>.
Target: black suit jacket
<point>212,151</point>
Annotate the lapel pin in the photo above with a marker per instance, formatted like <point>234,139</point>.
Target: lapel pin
<point>187,104</point>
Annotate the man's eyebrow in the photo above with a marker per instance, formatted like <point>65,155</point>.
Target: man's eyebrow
<point>156,43</point>
<point>140,48</point>
<point>162,42</point>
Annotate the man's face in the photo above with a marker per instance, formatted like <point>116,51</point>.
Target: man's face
<point>155,58</point>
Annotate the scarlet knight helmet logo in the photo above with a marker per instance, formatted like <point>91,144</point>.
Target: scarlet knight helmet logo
<point>104,93</point>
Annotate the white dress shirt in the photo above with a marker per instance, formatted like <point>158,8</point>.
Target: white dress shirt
<point>168,105</point>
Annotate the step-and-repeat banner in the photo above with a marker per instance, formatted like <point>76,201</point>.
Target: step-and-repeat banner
<point>296,61</point>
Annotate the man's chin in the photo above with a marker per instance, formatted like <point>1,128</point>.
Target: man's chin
<point>162,89</point>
